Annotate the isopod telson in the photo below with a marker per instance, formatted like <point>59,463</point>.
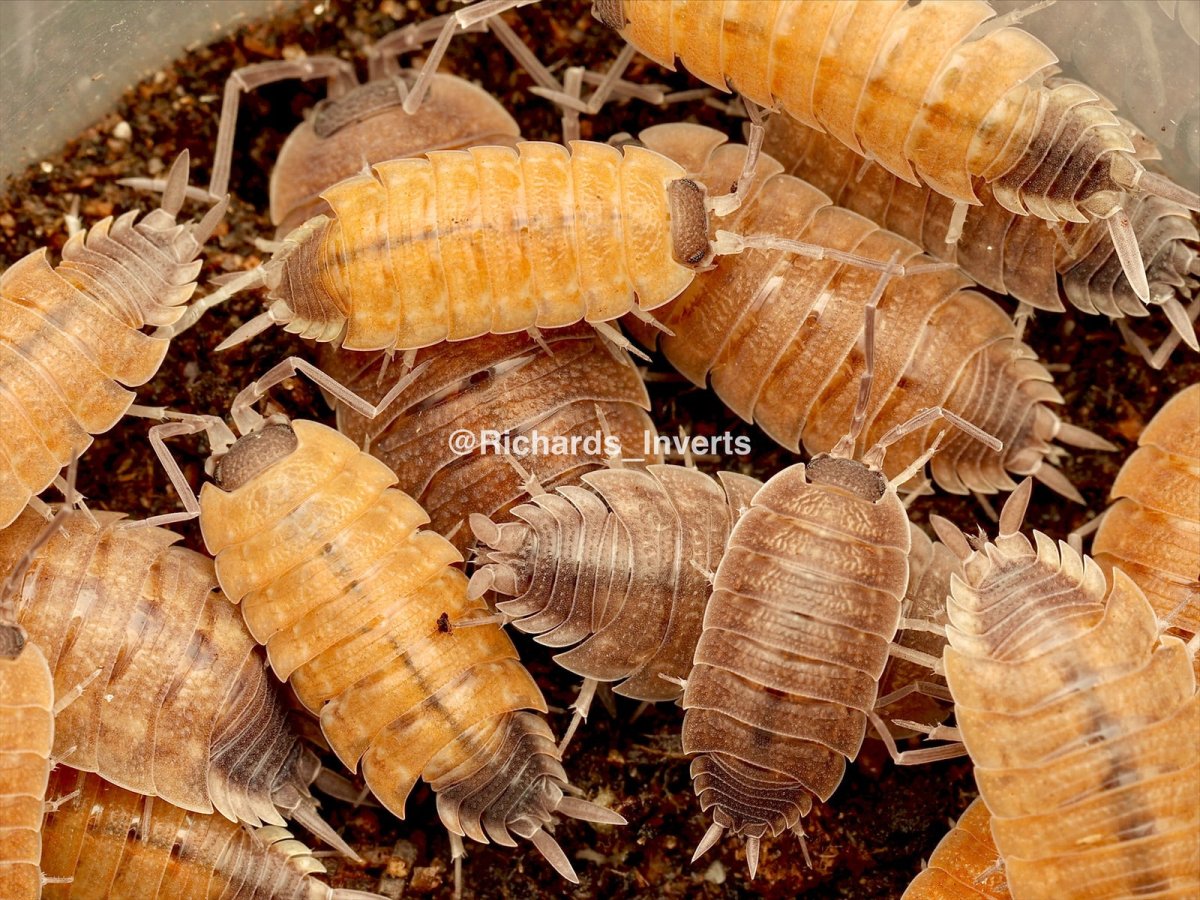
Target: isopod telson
<point>71,335</point>
<point>1083,721</point>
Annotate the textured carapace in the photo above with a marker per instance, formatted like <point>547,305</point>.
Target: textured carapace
<point>1082,720</point>
<point>1004,251</point>
<point>367,123</point>
<point>26,741</point>
<point>490,239</point>
<point>1152,531</point>
<point>105,841</point>
<point>622,570</point>
<point>806,601</point>
<point>71,335</point>
<point>779,336</point>
<point>366,616</point>
<point>965,865</point>
<point>926,90</point>
<point>582,389</point>
<point>176,701</point>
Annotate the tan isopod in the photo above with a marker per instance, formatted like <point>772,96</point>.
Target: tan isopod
<point>965,865</point>
<point>581,389</point>
<point>104,841</point>
<point>1002,250</point>
<point>71,335</point>
<point>161,677</point>
<point>927,90</point>
<point>364,613</point>
<point>1152,531</point>
<point>26,744</point>
<point>778,337</point>
<point>1082,720</point>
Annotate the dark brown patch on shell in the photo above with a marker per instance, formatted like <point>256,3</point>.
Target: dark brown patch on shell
<point>253,454</point>
<point>689,222</point>
<point>848,474</point>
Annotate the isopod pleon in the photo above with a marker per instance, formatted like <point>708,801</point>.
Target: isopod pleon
<point>965,865</point>
<point>778,337</point>
<point>170,694</point>
<point>26,743</point>
<point>927,90</point>
<point>71,335</point>
<point>582,390</point>
<point>104,841</point>
<point>364,613</point>
<point>1004,251</point>
<point>1082,720</point>
<point>1152,531</point>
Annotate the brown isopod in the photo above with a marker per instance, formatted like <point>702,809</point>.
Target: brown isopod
<point>104,841</point>
<point>26,743</point>
<point>778,337</point>
<point>363,612</point>
<point>1083,721</point>
<point>168,694</point>
<point>71,335</point>
<point>965,865</point>
<point>1002,250</point>
<point>580,390</point>
<point>1152,531</point>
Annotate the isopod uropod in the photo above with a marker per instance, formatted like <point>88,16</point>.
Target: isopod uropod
<point>71,335</point>
<point>1082,720</point>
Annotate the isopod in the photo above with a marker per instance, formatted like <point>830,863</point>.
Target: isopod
<point>1152,531</point>
<point>965,865</point>
<point>104,841</point>
<point>363,612</point>
<point>1082,720</point>
<point>168,694</point>
<point>26,743</point>
<point>805,607</point>
<point>927,90</point>
<point>582,389</point>
<point>1004,251</point>
<point>778,337</point>
<point>71,335</point>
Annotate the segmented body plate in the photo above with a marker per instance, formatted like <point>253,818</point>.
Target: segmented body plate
<point>176,701</point>
<point>1083,724</point>
<point>463,243</point>
<point>101,840</point>
<point>806,601</point>
<point>1002,250</point>
<point>26,740</point>
<point>356,606</point>
<point>619,570</point>
<point>778,335</point>
<point>965,865</point>
<point>503,384</point>
<point>1152,531</point>
<point>912,86</point>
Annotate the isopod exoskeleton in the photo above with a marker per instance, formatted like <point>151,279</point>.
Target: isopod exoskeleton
<point>778,336</point>
<point>1152,531</point>
<point>174,700</point>
<point>364,613</point>
<point>965,865</point>
<point>620,566</point>
<point>71,335</point>
<point>1004,251</point>
<point>26,742</point>
<point>104,841</point>
<point>581,390</point>
<point>1082,720</point>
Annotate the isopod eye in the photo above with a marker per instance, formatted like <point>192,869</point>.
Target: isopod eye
<point>254,453</point>
<point>12,641</point>
<point>610,13</point>
<point>689,222</point>
<point>848,474</point>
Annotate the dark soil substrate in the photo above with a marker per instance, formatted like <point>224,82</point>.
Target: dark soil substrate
<point>871,838</point>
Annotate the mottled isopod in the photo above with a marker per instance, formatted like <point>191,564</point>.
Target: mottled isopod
<point>1082,720</point>
<point>1152,531</point>
<point>71,335</point>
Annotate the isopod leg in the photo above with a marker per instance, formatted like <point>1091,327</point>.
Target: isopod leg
<point>457,852</point>
<point>582,705</point>
<point>7,589</point>
<point>913,757</point>
<point>383,54</point>
<point>219,439</point>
